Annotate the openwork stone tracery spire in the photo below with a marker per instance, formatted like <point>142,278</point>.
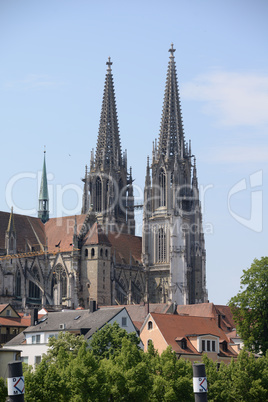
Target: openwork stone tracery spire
<point>173,240</point>
<point>108,181</point>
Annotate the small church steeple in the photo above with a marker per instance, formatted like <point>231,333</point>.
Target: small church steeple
<point>43,212</point>
<point>11,235</point>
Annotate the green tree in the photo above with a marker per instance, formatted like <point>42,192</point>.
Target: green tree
<point>250,306</point>
<point>3,390</point>
<point>245,379</point>
<point>107,342</point>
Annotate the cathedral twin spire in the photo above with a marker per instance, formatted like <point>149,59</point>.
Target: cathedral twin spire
<point>108,153</point>
<point>171,138</point>
<point>108,186</point>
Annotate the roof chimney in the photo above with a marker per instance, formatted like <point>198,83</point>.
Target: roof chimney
<point>219,320</point>
<point>92,306</point>
<point>34,316</point>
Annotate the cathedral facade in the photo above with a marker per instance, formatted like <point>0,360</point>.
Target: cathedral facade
<point>72,260</point>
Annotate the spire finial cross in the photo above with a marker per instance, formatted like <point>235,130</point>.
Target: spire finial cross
<point>109,63</point>
<point>172,50</point>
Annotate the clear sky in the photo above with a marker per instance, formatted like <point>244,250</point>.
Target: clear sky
<point>52,72</point>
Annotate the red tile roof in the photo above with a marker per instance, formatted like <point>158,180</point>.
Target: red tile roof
<point>209,310</point>
<point>95,235</point>
<point>174,326</point>
<point>2,307</point>
<point>60,231</point>
<point>126,248</point>
<point>28,230</point>
<point>32,233</point>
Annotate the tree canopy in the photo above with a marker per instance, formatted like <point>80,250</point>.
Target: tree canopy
<point>71,371</point>
<point>250,306</point>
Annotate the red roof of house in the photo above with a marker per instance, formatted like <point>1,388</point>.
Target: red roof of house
<point>221,313</point>
<point>2,307</point>
<point>174,326</point>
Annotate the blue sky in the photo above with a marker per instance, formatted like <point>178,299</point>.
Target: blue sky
<point>52,72</point>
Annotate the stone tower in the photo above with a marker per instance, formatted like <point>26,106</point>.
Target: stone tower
<point>173,247</point>
<point>108,186</point>
<point>43,212</point>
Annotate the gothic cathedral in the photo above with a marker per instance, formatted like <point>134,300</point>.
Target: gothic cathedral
<point>69,261</point>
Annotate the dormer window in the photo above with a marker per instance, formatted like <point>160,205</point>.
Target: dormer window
<point>224,346</point>
<point>209,344</point>
<point>182,342</point>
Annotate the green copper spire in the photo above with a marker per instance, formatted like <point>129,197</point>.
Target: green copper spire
<point>43,212</point>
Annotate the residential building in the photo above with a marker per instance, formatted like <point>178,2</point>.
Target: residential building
<point>33,342</point>
<point>11,323</point>
<point>188,336</point>
<point>7,355</point>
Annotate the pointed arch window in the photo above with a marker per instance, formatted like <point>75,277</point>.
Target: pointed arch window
<point>162,188</point>
<point>18,284</point>
<point>98,194</point>
<point>59,280</point>
<point>64,283</point>
<point>161,245</point>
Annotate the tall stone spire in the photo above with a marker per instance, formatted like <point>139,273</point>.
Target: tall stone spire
<point>108,146</point>
<point>171,137</point>
<point>108,181</point>
<point>173,247</point>
<point>43,212</point>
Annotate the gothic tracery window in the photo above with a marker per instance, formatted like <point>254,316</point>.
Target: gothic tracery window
<point>161,245</point>
<point>34,290</point>
<point>162,188</point>
<point>18,284</point>
<point>98,194</point>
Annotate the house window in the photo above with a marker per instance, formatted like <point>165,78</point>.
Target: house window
<point>124,321</point>
<point>92,252</point>
<point>208,346</point>
<point>86,252</point>
<point>150,325</point>
<point>37,360</point>
<point>203,346</point>
<point>149,342</point>
<point>213,344</point>
<point>35,338</point>
<point>24,359</point>
<point>224,346</point>
<point>8,313</point>
<point>183,344</point>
